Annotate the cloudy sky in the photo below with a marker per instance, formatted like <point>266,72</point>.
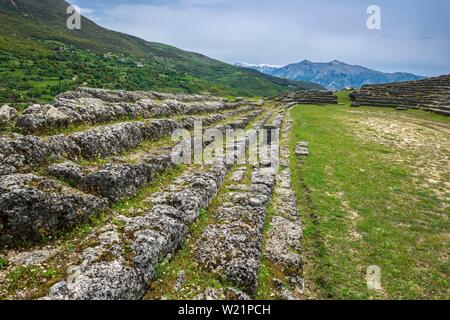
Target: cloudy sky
<point>414,35</point>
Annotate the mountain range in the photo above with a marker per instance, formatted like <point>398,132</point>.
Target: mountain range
<point>40,57</point>
<point>334,75</point>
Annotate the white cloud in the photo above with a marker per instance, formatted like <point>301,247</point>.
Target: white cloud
<point>281,32</point>
<point>87,11</point>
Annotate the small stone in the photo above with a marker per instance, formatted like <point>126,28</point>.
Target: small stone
<point>278,283</point>
<point>301,149</point>
<point>238,175</point>
<point>181,279</point>
<point>35,257</point>
<point>286,294</point>
<point>73,274</point>
<point>7,114</point>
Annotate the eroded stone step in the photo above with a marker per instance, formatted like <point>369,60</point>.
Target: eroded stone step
<point>134,249</point>
<point>231,246</point>
<point>123,178</point>
<point>30,207</point>
<point>97,106</point>
<point>442,112</point>
<point>282,245</point>
<point>33,207</point>
<point>23,153</point>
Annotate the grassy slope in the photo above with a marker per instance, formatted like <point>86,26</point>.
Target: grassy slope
<point>361,208</point>
<point>34,67</point>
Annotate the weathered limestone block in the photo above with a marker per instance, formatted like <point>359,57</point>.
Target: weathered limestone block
<point>38,117</point>
<point>115,181</point>
<point>195,193</point>
<point>21,153</point>
<point>109,140</point>
<point>103,274</point>
<point>92,110</point>
<point>302,149</point>
<point>223,294</point>
<point>283,243</point>
<point>32,207</point>
<point>68,171</point>
<point>7,114</point>
<point>33,257</point>
<point>156,129</point>
<point>231,251</point>
<point>17,153</point>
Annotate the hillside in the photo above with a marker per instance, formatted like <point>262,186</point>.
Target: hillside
<point>40,57</point>
<point>334,75</point>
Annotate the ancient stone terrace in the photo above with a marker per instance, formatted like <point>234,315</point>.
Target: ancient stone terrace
<point>53,182</point>
<point>107,156</point>
<point>93,106</point>
<point>314,97</point>
<point>431,94</point>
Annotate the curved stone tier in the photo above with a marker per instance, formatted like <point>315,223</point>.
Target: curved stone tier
<point>20,153</point>
<point>144,240</point>
<point>308,97</point>
<point>431,94</point>
<point>91,106</point>
<point>50,184</point>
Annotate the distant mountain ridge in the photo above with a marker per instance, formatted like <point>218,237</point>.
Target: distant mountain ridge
<point>334,75</point>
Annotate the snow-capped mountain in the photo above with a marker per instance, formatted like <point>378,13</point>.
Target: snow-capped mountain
<point>264,68</point>
<point>334,75</point>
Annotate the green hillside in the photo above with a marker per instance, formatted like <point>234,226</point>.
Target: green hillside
<point>40,57</point>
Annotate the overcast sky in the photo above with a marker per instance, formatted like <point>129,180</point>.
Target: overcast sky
<point>414,35</point>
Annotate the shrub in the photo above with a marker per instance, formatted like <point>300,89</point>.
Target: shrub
<point>3,262</point>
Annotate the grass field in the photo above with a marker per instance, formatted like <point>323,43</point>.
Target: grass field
<point>374,191</point>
